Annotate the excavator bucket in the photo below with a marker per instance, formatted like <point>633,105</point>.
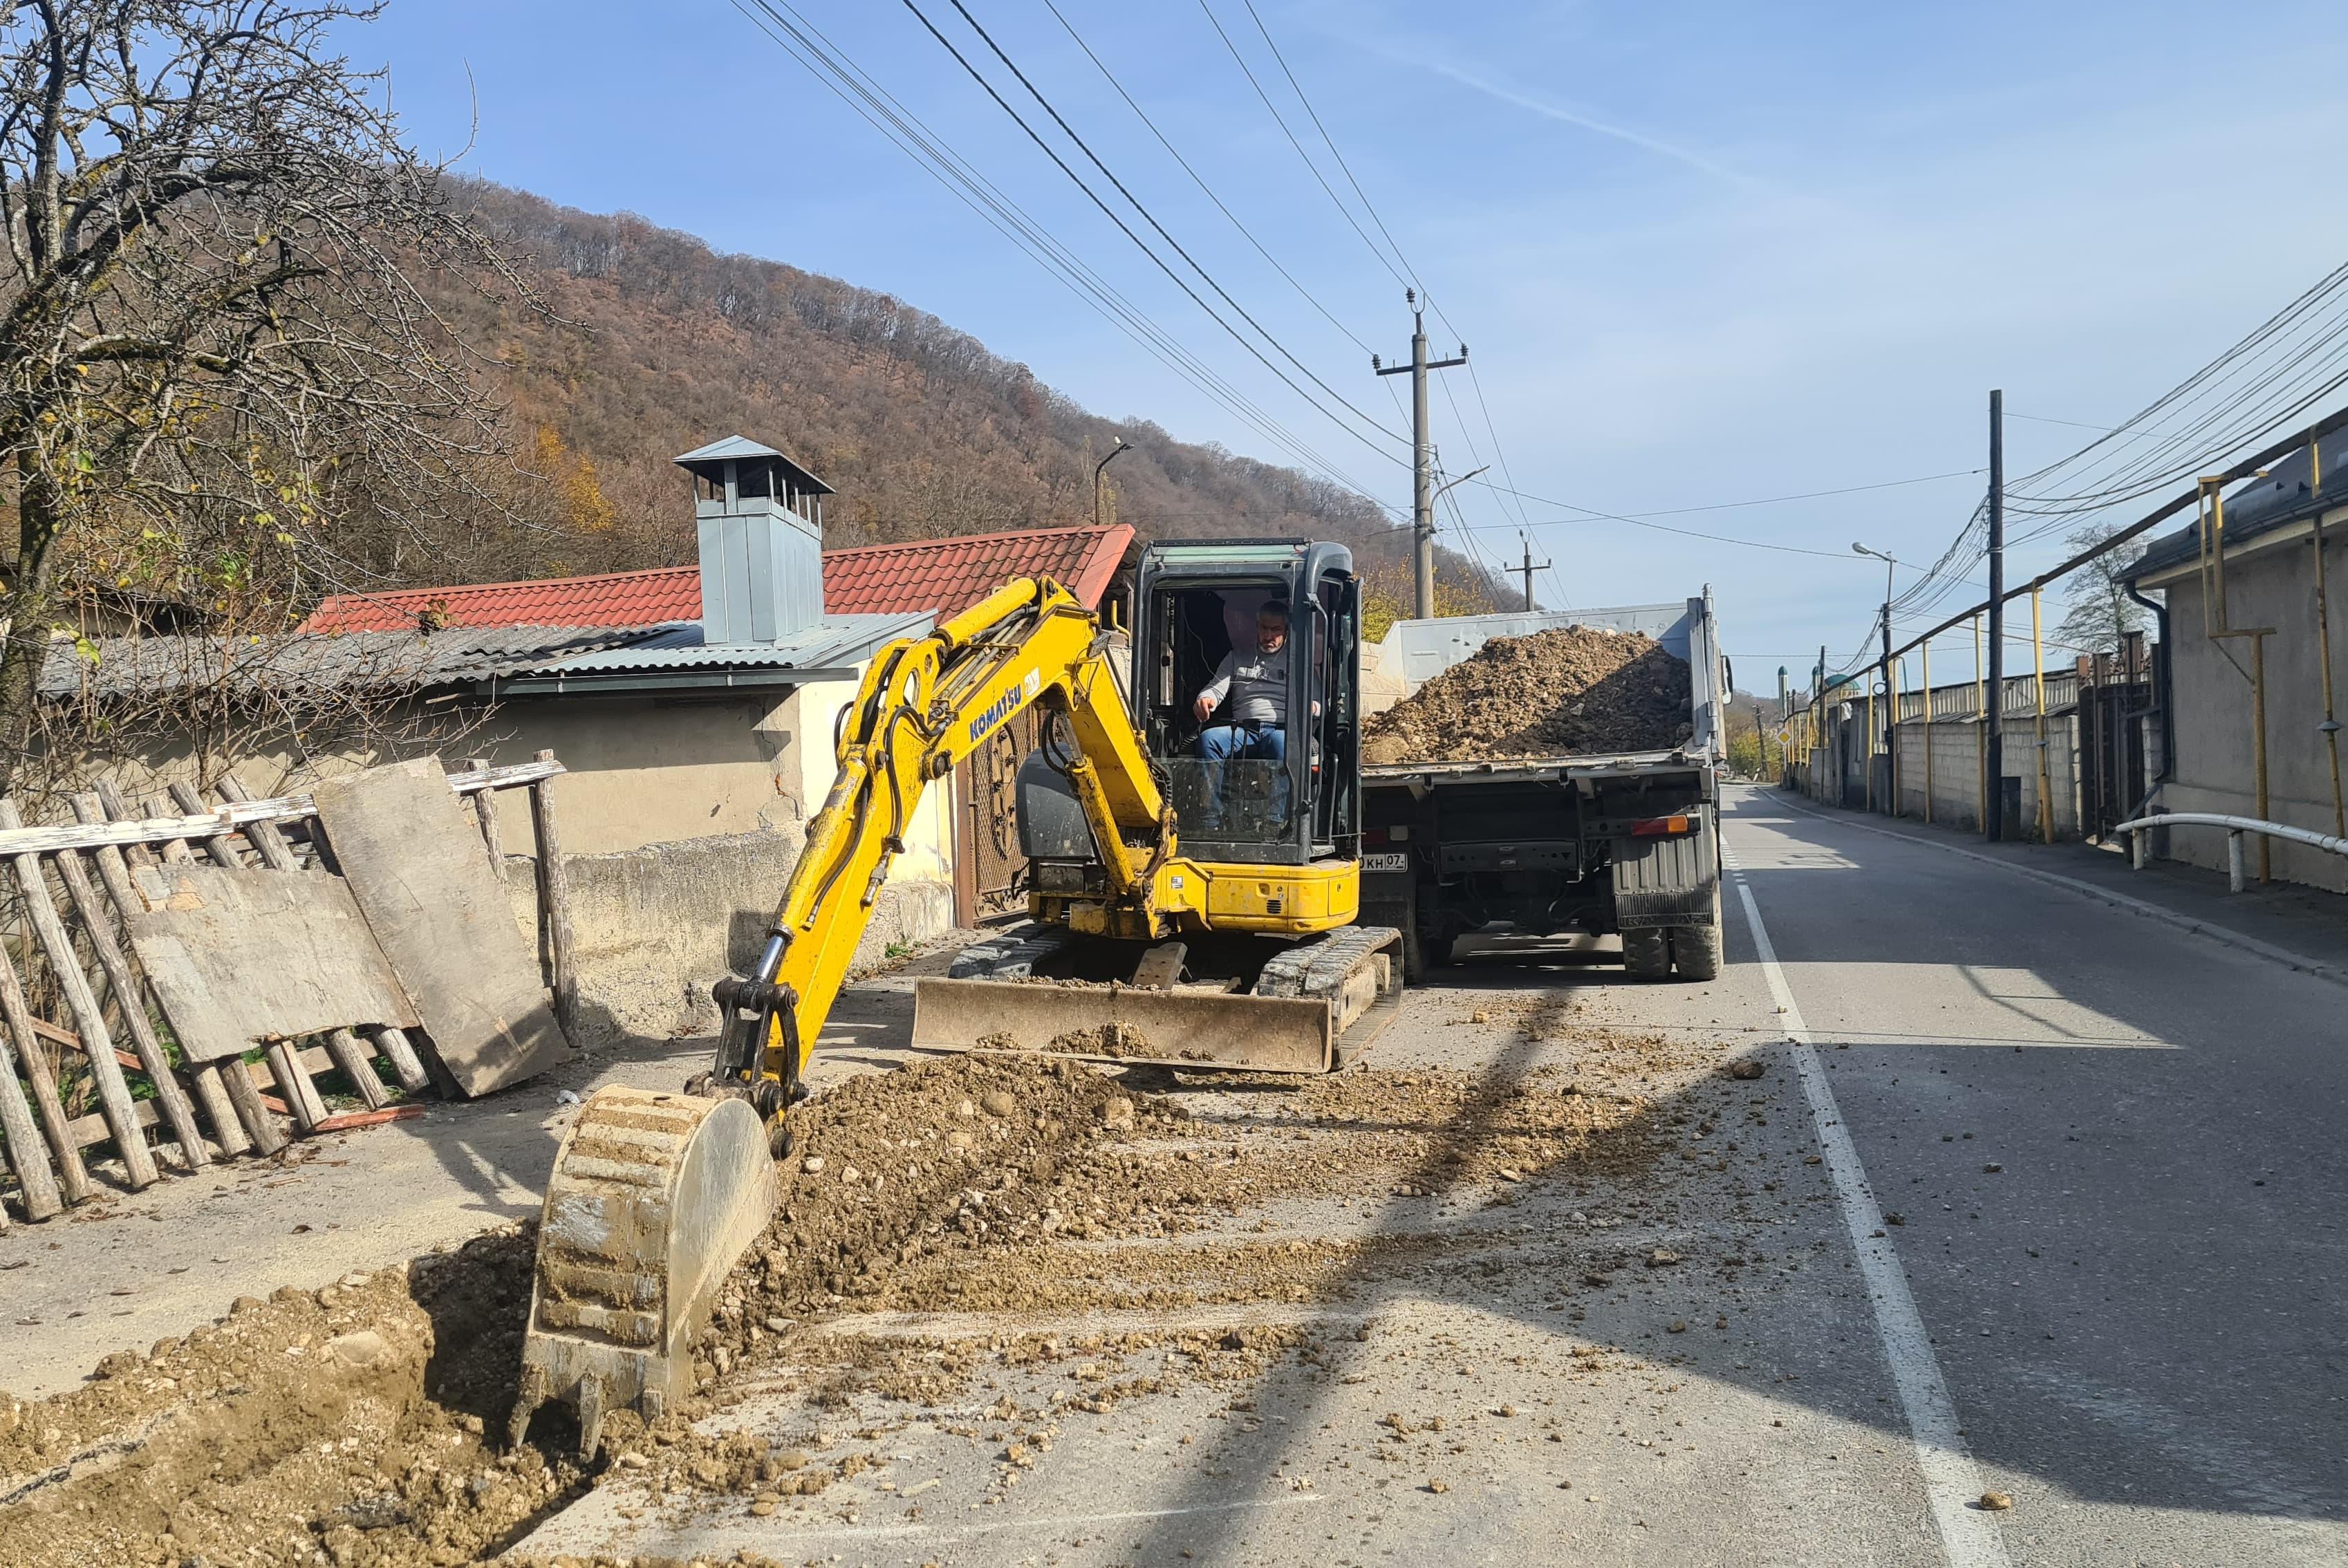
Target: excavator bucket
<point>1124,1024</point>
<point>654,1199</point>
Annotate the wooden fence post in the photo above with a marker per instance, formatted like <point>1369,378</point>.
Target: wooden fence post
<point>128,998</point>
<point>484,812</point>
<point>554,904</point>
<point>97,1045</point>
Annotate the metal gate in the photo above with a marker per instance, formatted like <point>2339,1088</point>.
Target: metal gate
<point>2116,692</point>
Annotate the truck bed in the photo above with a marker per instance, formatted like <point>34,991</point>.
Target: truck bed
<point>1512,768</point>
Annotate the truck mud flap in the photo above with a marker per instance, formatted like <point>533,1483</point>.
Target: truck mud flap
<point>1664,882</point>
<point>1124,1024</point>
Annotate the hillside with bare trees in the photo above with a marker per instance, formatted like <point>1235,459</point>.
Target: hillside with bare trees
<point>652,343</point>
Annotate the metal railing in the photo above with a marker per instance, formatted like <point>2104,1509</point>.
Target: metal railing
<point>2237,877</point>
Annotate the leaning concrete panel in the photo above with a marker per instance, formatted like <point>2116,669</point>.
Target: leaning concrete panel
<point>239,956</point>
<point>416,866</point>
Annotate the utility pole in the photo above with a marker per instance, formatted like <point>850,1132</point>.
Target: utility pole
<point>1422,441</point>
<point>1528,569</point>
<point>1993,700</point>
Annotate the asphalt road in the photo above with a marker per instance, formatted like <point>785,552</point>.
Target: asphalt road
<point>2115,1146</point>
<point>2037,1196</point>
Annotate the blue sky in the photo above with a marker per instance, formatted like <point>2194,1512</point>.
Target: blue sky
<point>1700,254</point>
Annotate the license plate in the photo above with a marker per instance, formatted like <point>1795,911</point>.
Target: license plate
<point>1393,863</point>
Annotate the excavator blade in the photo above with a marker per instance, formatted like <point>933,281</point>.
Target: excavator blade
<point>1196,1029</point>
<point>654,1199</point>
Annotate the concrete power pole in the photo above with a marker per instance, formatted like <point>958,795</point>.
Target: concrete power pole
<point>1422,441</point>
<point>1528,569</point>
<point>1993,725</point>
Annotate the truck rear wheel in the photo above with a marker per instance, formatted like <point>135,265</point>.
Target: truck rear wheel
<point>1646,954</point>
<point>1695,949</point>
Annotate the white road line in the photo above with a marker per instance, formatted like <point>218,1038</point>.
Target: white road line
<point>1969,1537</point>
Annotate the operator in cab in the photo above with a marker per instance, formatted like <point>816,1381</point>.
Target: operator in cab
<point>1252,684</point>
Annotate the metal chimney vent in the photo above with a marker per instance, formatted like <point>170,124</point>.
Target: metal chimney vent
<point>760,520</point>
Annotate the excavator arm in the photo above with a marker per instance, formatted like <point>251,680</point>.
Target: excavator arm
<point>926,703</point>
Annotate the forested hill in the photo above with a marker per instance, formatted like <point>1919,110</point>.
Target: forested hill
<point>657,344</point>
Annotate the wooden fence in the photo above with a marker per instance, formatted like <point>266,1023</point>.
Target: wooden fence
<point>67,954</point>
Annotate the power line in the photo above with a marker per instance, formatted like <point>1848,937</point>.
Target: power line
<point>856,88</point>
<point>1123,227</point>
<point>1248,71</point>
<point>1200,181</point>
<point>1330,142</point>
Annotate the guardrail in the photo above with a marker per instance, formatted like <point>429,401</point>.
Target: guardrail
<point>2236,877</point>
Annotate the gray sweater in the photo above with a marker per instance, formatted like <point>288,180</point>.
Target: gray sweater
<point>1257,685</point>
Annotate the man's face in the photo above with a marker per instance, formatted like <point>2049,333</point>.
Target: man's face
<point>1270,632</point>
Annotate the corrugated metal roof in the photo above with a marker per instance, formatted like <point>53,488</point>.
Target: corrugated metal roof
<point>2280,498</point>
<point>348,661</point>
<point>832,642</point>
<point>942,576</point>
<point>618,599</point>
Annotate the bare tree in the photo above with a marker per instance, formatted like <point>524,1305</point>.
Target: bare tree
<point>216,367</point>
<point>2100,612</point>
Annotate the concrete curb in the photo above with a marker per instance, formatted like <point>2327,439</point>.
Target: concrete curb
<point>2225,934</point>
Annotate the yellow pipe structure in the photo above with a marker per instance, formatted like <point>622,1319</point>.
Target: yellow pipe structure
<point>1868,764</point>
<point>2331,725</point>
<point>1924,658</point>
<point>2038,668</point>
<point>1981,726</point>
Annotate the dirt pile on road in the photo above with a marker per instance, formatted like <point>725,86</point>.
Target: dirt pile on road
<point>1565,692</point>
<point>346,1424</point>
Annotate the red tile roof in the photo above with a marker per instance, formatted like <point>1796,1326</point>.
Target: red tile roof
<point>942,576</point>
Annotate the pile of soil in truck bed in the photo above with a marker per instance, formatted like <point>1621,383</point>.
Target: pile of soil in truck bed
<point>1567,691</point>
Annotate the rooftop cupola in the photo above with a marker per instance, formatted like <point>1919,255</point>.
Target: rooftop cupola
<point>760,516</point>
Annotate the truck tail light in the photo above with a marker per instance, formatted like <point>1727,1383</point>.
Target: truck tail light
<point>1662,827</point>
<point>1374,835</point>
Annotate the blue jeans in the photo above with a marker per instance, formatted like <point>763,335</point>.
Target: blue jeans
<point>1225,743</point>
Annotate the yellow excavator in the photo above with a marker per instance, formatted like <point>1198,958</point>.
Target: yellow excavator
<point>1199,865</point>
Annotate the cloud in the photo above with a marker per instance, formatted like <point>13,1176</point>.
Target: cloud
<point>1567,115</point>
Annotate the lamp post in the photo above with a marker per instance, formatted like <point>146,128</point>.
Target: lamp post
<point>1115,452</point>
<point>1891,699</point>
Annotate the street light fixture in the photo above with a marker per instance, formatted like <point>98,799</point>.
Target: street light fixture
<point>1115,452</point>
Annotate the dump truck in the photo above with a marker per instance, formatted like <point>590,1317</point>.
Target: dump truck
<point>1602,843</point>
<point>1193,820</point>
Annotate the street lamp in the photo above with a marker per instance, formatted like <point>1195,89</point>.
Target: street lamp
<point>1115,452</point>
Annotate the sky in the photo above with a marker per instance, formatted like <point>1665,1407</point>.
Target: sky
<point>1700,255</point>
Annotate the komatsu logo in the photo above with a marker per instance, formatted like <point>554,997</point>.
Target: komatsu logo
<point>1002,707</point>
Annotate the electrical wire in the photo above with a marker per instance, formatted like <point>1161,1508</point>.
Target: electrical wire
<point>1122,226</point>
<point>1200,181</point>
<point>863,93</point>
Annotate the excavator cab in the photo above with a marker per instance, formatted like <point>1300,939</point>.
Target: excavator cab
<point>1261,776</point>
